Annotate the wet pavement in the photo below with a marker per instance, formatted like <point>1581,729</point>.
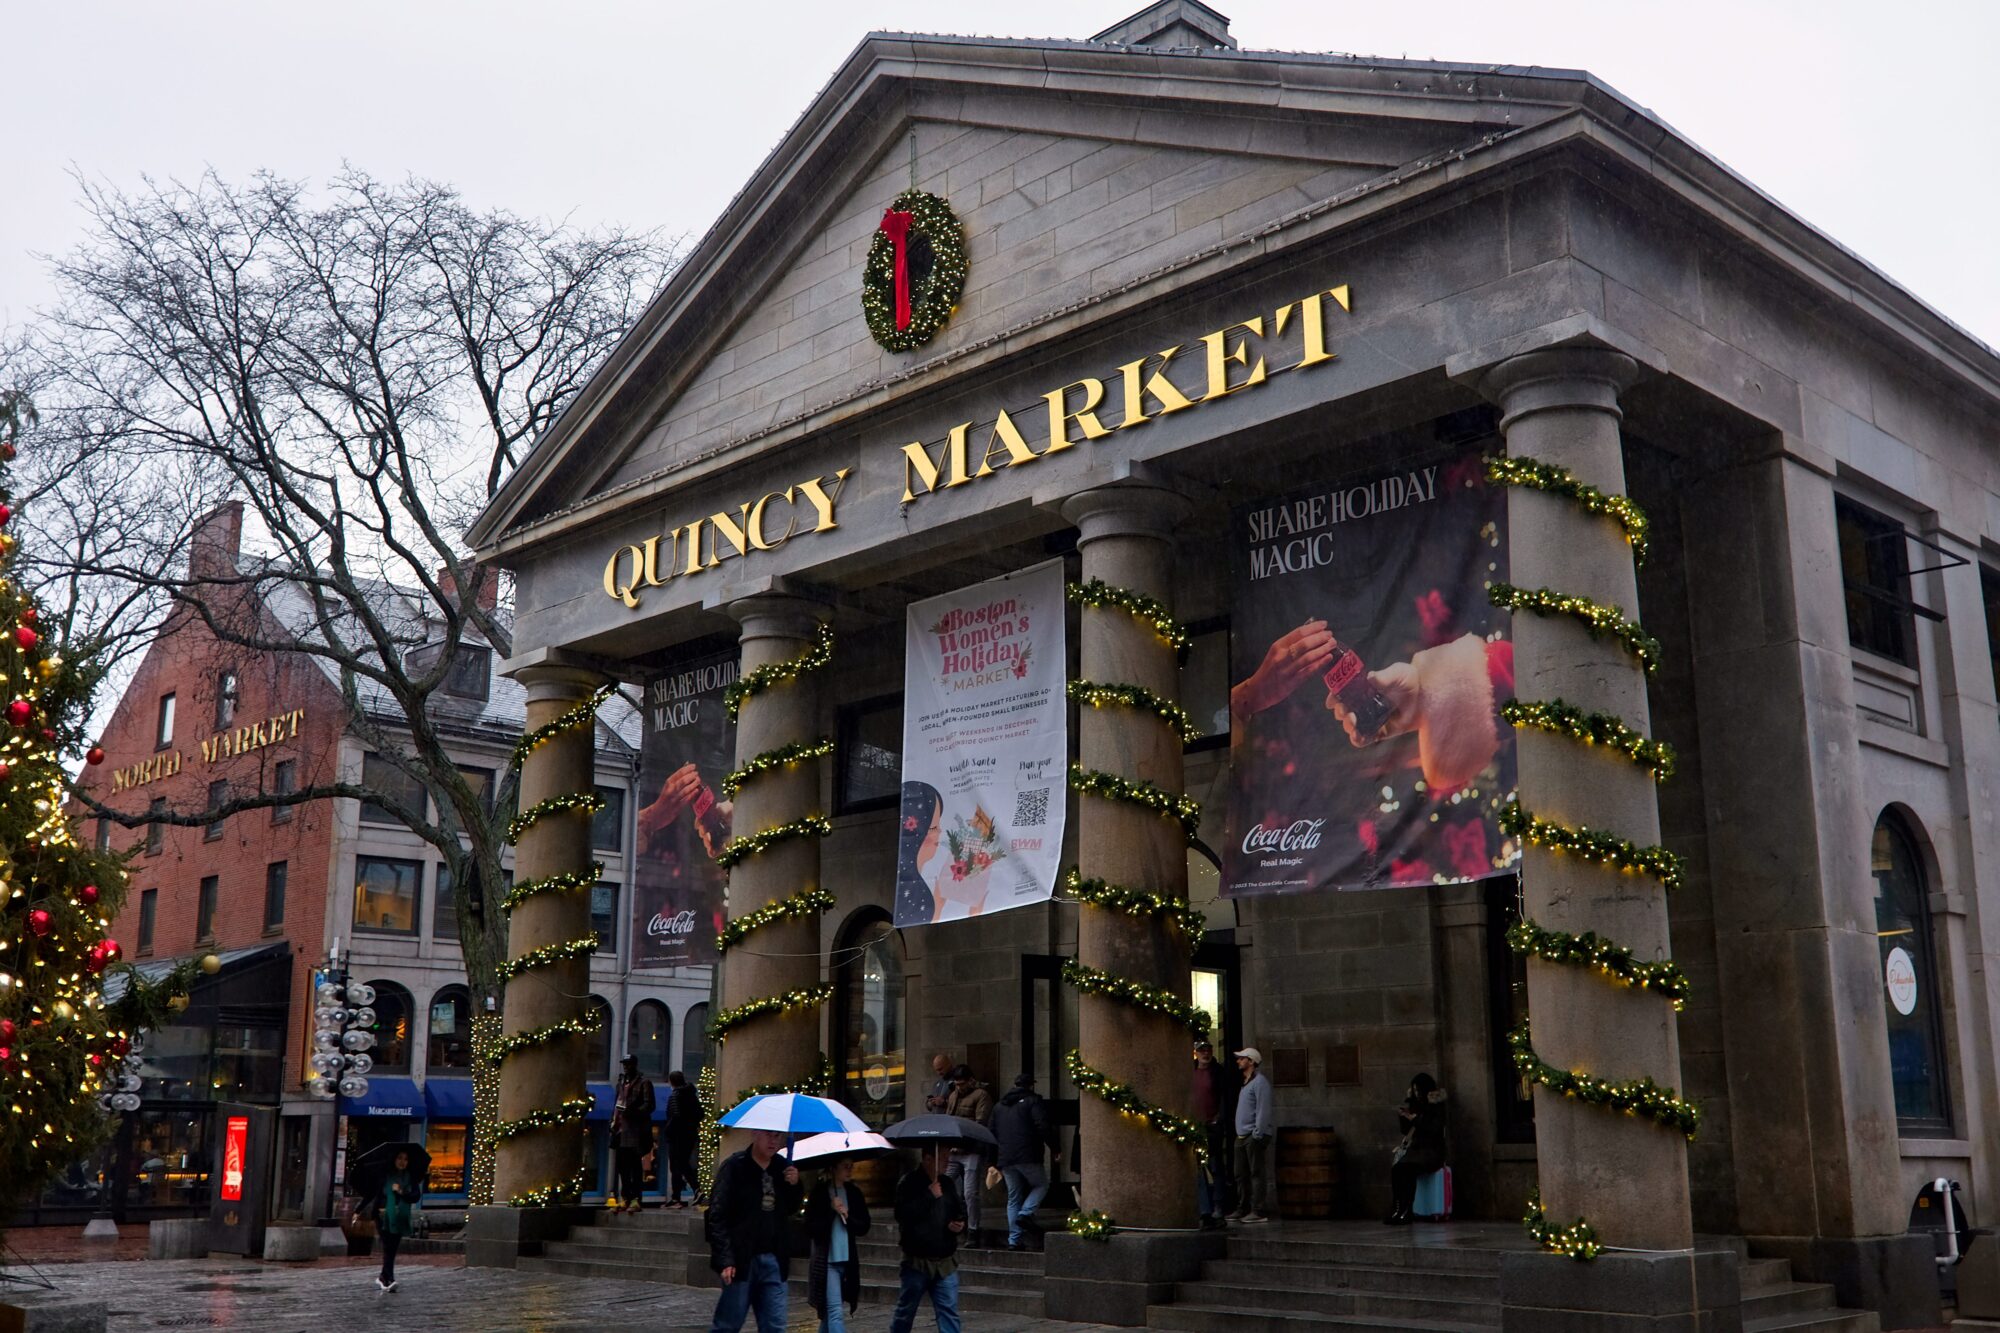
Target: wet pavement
<point>438,1296</point>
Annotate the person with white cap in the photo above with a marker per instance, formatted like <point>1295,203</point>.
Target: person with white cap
<point>1255,1118</point>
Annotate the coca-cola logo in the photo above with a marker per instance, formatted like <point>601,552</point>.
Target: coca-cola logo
<point>1301,835</point>
<point>663,926</point>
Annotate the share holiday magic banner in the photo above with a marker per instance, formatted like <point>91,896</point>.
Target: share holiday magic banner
<point>1367,670</point>
<point>985,740</point>
<point>688,748</point>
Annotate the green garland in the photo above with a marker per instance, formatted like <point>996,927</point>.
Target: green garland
<point>1553,715</point>
<point>1521,470</point>
<point>805,997</point>
<point>580,716</point>
<point>742,849</point>
<point>569,881</point>
<point>1122,1096</point>
<point>547,954</point>
<point>798,752</point>
<point>1189,921</point>
<point>567,1112</point>
<point>1152,999</point>
<point>747,687</point>
<point>1098,593</point>
<point>591,1023</point>
<point>548,1194</point>
<point>1576,1241</point>
<point>803,903</point>
<point>1639,1096</point>
<point>1599,621</point>
<point>1138,698</point>
<point>1594,845</point>
<point>1109,786</point>
<point>1092,1225</point>
<point>576,802</point>
<point>933,303</point>
<point>1591,950</point>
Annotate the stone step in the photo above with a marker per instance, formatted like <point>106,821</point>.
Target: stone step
<point>1337,1300</point>
<point>1444,1282</point>
<point>1022,1299</point>
<point>1235,1319</point>
<point>1788,1298</point>
<point>1818,1321</point>
<point>1267,1247</point>
<point>1756,1274</point>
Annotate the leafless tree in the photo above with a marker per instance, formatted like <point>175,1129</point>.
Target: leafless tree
<point>361,366</point>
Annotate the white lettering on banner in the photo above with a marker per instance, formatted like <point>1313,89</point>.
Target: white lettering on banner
<point>1301,835</point>
<point>1308,523</point>
<point>663,927</point>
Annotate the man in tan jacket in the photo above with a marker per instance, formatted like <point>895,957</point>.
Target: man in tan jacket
<point>969,1099</point>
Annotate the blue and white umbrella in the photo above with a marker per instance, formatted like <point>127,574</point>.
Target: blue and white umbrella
<point>793,1113</point>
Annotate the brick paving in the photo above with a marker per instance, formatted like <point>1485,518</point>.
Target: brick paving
<point>434,1294</point>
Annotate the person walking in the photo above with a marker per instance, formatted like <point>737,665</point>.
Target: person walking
<point>632,1132</point>
<point>1422,1149</point>
<point>1255,1118</point>
<point>969,1099</point>
<point>930,1217</point>
<point>400,1194</point>
<point>836,1218</point>
<point>1213,1107</point>
<point>1021,1124</point>
<point>749,1217</point>
<point>683,1132</point>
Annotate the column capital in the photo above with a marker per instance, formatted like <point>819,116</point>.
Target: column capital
<point>551,682</point>
<point>774,615</point>
<point>1559,378</point>
<point>1125,511</point>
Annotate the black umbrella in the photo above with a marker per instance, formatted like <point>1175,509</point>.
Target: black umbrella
<point>939,1131</point>
<point>368,1168</point>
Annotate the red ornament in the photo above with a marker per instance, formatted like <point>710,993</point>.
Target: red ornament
<point>97,963</point>
<point>24,636</point>
<point>110,950</point>
<point>96,1060</point>
<point>6,1029</point>
<point>19,712</point>
<point>87,894</point>
<point>48,733</point>
<point>96,755</point>
<point>121,1048</point>
<point>6,770</point>
<point>6,1054</point>
<point>6,512</point>
<point>7,452</point>
<point>39,921</point>
<point>29,614</point>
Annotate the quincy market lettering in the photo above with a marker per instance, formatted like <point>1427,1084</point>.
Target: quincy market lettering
<point>1145,389</point>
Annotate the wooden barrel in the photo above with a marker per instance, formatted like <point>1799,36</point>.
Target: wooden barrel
<point>1308,1167</point>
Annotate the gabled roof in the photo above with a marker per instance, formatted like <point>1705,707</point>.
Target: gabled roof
<point>866,105</point>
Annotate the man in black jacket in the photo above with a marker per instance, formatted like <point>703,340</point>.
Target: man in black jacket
<point>683,1132</point>
<point>749,1215</point>
<point>929,1218</point>
<point>632,1132</point>
<point>1021,1124</point>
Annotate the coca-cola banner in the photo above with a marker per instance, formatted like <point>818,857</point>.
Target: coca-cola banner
<point>985,740</point>
<point>690,746</point>
<point>1367,669</point>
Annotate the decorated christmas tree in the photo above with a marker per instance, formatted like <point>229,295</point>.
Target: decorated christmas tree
<point>63,1049</point>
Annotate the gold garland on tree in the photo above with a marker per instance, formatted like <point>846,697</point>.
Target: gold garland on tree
<point>1184,924</point>
<point>1610,960</point>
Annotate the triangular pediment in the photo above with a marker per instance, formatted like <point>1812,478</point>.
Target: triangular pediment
<point>1075,170</point>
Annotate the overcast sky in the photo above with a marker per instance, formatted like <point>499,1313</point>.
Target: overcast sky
<point>1870,121</point>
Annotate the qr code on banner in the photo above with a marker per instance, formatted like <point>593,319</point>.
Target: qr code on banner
<point>1031,808</point>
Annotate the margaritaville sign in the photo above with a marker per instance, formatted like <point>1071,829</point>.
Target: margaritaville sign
<point>1232,359</point>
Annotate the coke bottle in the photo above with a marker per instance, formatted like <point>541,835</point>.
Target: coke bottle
<point>1347,680</point>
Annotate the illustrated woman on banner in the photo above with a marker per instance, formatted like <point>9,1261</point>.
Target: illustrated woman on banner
<point>940,875</point>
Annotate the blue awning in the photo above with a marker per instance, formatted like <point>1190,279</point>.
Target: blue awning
<point>448,1098</point>
<point>602,1098</point>
<point>387,1096</point>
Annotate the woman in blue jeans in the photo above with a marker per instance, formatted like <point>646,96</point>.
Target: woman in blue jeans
<point>836,1219</point>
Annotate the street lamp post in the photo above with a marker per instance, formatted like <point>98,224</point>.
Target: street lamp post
<point>343,1034</point>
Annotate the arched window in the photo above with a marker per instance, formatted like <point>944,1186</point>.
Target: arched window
<point>694,1042</point>
<point>451,1031</point>
<point>597,1061</point>
<point>647,1037</point>
<point>1910,997</point>
<point>392,1028</point>
<point>869,980</point>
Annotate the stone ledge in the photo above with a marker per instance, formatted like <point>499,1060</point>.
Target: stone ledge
<point>1696,1292</point>
<point>1112,1281</point>
<point>36,1312</point>
<point>1895,1276</point>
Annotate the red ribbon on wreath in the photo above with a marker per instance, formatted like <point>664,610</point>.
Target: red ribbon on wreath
<point>896,226</point>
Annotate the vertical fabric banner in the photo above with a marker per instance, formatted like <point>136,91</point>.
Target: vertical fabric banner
<point>689,747</point>
<point>1366,674</point>
<point>985,749</point>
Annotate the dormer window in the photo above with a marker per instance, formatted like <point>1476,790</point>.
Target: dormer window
<point>471,665</point>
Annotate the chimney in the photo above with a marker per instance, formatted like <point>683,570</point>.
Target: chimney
<point>1172,25</point>
<point>216,543</point>
<point>486,580</point>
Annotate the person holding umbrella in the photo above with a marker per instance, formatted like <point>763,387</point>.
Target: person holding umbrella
<point>399,1192</point>
<point>836,1218</point>
<point>632,1132</point>
<point>756,1192</point>
<point>930,1217</point>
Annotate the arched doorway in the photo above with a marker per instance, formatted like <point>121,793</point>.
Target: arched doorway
<point>1912,1003</point>
<point>870,1067</point>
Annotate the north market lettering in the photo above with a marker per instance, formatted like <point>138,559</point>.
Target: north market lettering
<point>1144,390</point>
<point>222,745</point>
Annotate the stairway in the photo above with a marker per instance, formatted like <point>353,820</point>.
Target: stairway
<point>656,1246</point>
<point>1271,1282</point>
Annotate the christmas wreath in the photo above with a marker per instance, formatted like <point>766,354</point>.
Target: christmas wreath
<point>915,271</point>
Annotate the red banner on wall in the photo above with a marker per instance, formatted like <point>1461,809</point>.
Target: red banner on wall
<point>235,1147</point>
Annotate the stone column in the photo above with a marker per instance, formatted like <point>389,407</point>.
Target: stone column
<point>1137,1176</point>
<point>783,956</point>
<point>541,1077</point>
<point>1625,1174</point>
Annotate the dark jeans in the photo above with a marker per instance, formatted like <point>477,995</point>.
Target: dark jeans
<point>759,1286</point>
<point>1404,1175</point>
<point>631,1175</point>
<point>916,1284</point>
<point>680,1167</point>
<point>390,1244</point>
<point>1253,1173</point>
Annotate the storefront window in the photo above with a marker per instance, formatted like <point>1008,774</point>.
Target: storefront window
<point>392,1028</point>
<point>871,1020</point>
<point>694,1042</point>
<point>248,1063</point>
<point>451,1030</point>
<point>385,894</point>
<point>647,1037</point>
<point>445,1141</point>
<point>169,1160</point>
<point>1910,999</point>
